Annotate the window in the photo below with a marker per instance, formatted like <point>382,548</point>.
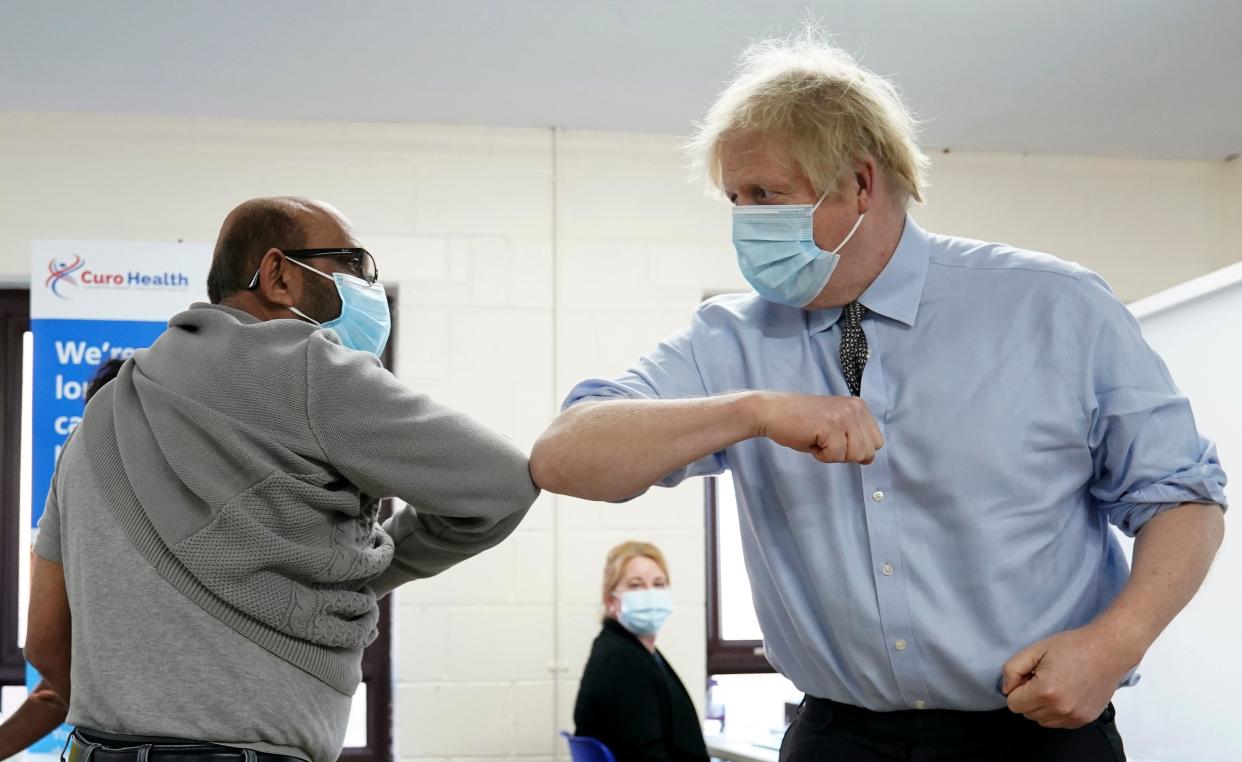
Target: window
<point>369,735</point>
<point>14,323</point>
<point>755,700</point>
<point>734,641</point>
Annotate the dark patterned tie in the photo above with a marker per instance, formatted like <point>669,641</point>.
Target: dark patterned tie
<point>854,351</point>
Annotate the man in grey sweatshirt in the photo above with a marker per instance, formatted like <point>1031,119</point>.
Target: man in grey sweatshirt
<point>208,564</point>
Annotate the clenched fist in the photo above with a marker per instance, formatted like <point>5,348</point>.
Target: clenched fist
<point>833,429</point>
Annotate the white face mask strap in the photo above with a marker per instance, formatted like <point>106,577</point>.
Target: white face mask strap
<point>853,230</point>
<point>308,267</point>
<point>297,311</point>
<point>303,315</point>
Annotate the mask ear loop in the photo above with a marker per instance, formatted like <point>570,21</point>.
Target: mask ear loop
<point>316,271</point>
<point>295,310</point>
<point>849,235</point>
<point>303,315</point>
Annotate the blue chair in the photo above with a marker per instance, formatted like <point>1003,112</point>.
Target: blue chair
<point>583,749</point>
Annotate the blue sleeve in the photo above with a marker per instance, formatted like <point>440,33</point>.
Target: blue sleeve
<point>669,372</point>
<point>1147,454</point>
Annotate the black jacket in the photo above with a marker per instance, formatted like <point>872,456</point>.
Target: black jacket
<point>633,701</point>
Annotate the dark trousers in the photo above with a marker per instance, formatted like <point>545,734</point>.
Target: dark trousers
<point>826,731</point>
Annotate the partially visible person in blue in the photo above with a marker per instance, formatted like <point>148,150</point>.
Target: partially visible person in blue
<point>930,437</point>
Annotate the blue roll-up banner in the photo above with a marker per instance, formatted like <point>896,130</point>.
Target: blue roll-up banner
<point>91,301</point>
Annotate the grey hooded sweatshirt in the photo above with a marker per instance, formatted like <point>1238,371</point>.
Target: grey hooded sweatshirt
<point>215,513</point>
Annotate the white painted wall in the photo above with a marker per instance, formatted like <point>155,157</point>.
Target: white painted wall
<point>1143,225</point>
<point>1185,706</point>
<point>523,264</point>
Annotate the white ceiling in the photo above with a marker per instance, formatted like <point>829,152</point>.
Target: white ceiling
<point>1151,78</point>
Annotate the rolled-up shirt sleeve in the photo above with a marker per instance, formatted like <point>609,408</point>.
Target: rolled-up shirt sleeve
<point>670,372</point>
<point>1148,455</point>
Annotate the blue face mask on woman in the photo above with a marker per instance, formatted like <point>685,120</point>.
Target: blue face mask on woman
<point>643,611</point>
<point>364,322</point>
<point>777,253</point>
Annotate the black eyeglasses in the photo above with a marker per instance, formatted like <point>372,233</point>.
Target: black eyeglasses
<point>357,262</point>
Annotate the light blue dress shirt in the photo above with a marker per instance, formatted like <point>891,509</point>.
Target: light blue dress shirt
<point>1022,413</point>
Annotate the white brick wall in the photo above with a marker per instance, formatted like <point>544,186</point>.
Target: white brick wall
<point>1143,225</point>
<point>500,312</point>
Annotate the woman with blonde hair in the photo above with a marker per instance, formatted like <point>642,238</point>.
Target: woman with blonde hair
<point>630,697</point>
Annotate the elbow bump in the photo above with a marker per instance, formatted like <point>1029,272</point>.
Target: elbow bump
<point>543,471</point>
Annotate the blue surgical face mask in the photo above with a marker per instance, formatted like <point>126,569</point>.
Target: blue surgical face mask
<point>643,611</point>
<point>777,253</point>
<point>364,322</point>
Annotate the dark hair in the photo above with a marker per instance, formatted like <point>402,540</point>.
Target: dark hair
<point>251,230</point>
<point>105,373</point>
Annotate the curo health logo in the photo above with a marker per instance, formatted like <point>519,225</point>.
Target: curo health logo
<point>61,272</point>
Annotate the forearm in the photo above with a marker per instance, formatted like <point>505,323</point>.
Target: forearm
<point>426,545</point>
<point>49,625</point>
<point>38,715</point>
<point>432,535</point>
<point>1172,555</point>
<point>53,668</point>
<point>615,449</point>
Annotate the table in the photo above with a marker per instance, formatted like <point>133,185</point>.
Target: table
<point>741,749</point>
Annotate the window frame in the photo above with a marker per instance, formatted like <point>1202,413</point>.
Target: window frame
<point>14,322</point>
<point>377,658</point>
<point>377,676</point>
<point>724,657</point>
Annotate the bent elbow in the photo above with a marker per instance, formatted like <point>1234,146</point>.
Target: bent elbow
<point>41,657</point>
<point>1217,527</point>
<point>544,467</point>
<point>33,653</point>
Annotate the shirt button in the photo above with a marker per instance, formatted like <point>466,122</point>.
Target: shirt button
<point>878,495</point>
<point>887,569</point>
<point>900,645</point>
<point>920,704</point>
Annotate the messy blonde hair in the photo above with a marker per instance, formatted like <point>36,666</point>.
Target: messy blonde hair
<point>621,555</point>
<point>816,101</point>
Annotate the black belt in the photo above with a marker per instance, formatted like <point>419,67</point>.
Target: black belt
<point>914,725</point>
<point>86,745</point>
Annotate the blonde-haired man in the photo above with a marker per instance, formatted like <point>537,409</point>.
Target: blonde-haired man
<point>929,436</point>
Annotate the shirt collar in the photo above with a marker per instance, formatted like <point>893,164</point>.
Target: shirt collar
<point>896,291</point>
